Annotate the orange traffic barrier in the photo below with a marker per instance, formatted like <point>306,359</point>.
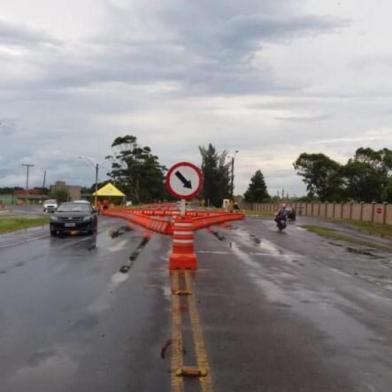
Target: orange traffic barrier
<point>166,219</point>
<point>158,225</point>
<point>183,254</point>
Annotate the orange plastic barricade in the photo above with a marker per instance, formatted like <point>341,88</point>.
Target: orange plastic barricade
<point>183,254</point>
<point>166,219</point>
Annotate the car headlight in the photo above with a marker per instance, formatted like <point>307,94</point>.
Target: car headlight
<point>87,219</point>
<point>54,218</point>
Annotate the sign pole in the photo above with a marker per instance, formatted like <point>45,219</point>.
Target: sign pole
<point>183,207</point>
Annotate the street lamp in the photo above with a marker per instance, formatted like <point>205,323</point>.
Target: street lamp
<point>27,166</point>
<point>96,165</point>
<point>232,173</point>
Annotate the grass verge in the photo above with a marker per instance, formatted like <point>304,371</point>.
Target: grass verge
<point>12,223</point>
<point>369,227</point>
<point>335,235</point>
<point>261,214</point>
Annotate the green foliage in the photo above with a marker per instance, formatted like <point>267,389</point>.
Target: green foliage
<point>387,192</point>
<point>136,171</point>
<point>363,181</point>
<point>367,173</point>
<point>9,190</point>
<point>60,194</point>
<point>216,175</point>
<point>321,174</point>
<point>9,224</point>
<point>257,190</point>
<point>363,178</point>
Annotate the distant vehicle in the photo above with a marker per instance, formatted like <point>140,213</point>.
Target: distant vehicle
<point>82,201</point>
<point>291,215</point>
<point>74,217</point>
<point>49,205</point>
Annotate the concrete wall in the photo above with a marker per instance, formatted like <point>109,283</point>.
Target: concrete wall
<point>366,212</point>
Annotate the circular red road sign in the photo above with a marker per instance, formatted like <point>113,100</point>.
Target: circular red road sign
<point>184,180</point>
<point>379,210</point>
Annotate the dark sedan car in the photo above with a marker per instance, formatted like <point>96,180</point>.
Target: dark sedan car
<point>73,217</point>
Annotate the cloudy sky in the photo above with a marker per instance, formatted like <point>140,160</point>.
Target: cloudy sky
<point>269,78</point>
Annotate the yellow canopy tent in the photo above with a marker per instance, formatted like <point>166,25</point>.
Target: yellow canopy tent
<point>108,190</point>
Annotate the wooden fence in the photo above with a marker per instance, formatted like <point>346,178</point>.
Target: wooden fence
<point>365,212</point>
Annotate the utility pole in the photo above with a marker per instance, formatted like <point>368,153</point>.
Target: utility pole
<point>27,165</point>
<point>96,166</point>
<point>44,181</point>
<point>96,184</point>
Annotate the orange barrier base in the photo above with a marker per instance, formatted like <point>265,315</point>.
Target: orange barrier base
<point>183,261</point>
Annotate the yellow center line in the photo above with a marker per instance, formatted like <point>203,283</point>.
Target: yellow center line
<point>177,383</point>
<point>198,340</point>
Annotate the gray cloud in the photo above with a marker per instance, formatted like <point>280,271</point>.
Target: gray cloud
<point>302,119</point>
<point>21,35</point>
<point>177,74</point>
<point>204,48</point>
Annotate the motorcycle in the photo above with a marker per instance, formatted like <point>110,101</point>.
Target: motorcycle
<point>291,216</point>
<point>281,221</point>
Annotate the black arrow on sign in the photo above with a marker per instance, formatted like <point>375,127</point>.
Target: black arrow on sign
<point>185,182</point>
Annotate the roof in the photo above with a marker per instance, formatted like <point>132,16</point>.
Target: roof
<point>108,190</point>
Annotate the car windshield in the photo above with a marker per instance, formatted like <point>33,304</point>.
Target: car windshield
<point>74,207</point>
<point>50,201</point>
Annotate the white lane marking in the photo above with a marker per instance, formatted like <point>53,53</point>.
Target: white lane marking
<point>119,246</point>
<point>276,255</point>
<point>214,252</point>
<point>103,301</point>
<point>118,278</point>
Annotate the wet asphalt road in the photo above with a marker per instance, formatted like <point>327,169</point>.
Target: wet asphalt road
<point>287,312</point>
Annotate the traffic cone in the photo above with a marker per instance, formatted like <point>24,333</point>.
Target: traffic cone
<point>183,255</point>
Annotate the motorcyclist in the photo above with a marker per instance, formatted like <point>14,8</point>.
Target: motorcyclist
<point>282,212</point>
<point>281,216</point>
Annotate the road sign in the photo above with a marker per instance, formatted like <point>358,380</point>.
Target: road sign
<point>184,180</point>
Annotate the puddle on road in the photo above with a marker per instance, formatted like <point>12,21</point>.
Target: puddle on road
<point>317,306</point>
<point>362,251</point>
<point>44,368</point>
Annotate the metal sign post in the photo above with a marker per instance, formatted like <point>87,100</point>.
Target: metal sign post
<point>183,207</point>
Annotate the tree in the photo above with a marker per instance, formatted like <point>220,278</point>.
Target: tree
<point>362,181</point>
<point>216,175</point>
<point>60,194</point>
<point>386,195</point>
<point>257,190</point>
<point>367,173</point>
<point>136,171</point>
<point>322,176</point>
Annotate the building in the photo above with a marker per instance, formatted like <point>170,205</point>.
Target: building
<point>74,191</point>
<point>31,196</point>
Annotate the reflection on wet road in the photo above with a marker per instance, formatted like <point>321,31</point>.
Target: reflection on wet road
<point>273,312</point>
